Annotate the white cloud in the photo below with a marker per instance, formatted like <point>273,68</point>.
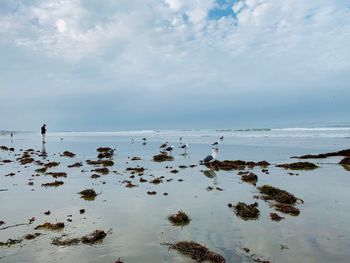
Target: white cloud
<point>61,25</point>
<point>177,41</point>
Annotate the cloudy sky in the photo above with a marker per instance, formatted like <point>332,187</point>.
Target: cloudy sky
<point>163,64</point>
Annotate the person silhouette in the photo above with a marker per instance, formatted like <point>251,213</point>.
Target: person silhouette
<point>43,132</point>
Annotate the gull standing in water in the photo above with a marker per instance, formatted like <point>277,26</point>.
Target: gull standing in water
<point>215,143</point>
<point>180,140</point>
<point>169,149</point>
<point>211,157</point>
<point>164,145</point>
<point>184,146</point>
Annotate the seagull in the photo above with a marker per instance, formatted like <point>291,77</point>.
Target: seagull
<point>211,157</point>
<point>144,139</point>
<point>180,140</point>
<point>222,138</point>
<point>215,143</point>
<point>169,148</point>
<point>164,145</point>
<point>184,146</point>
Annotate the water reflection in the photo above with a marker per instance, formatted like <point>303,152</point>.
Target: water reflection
<point>43,150</point>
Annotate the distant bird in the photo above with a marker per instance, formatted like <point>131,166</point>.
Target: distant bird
<point>184,146</point>
<point>164,145</point>
<point>215,143</point>
<point>169,148</point>
<point>211,157</point>
<point>180,140</point>
<point>221,138</point>
<point>144,139</point>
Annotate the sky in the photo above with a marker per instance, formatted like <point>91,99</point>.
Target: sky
<point>90,65</point>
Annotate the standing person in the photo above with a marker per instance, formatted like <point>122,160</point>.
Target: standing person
<point>43,132</point>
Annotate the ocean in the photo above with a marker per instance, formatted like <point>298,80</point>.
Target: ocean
<point>136,223</point>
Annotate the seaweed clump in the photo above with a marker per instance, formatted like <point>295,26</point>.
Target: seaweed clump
<point>94,237</point>
<point>11,242</point>
<point>58,241</point>
<point>287,209</point>
<point>56,175</point>
<point>345,163</point>
<point>105,152</point>
<point>197,252</point>
<point>51,164</point>
<point>298,166</point>
<point>276,217</point>
<point>103,170</point>
<point>273,193</point>
<point>31,236</point>
<point>78,164</point>
<point>41,170</point>
<point>88,194</point>
<point>247,211</point>
<point>137,169</point>
<point>180,218</point>
<point>157,180</point>
<point>50,226</point>
<point>228,165</point>
<point>68,154</point>
<point>249,177</point>
<point>324,155</point>
<point>55,184</point>
<point>162,158</point>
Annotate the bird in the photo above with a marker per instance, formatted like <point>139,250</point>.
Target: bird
<point>215,143</point>
<point>169,148</point>
<point>211,157</point>
<point>184,146</point>
<point>164,145</point>
<point>144,139</point>
<point>180,140</point>
<point>222,138</point>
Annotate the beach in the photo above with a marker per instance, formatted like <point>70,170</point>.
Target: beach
<point>133,213</point>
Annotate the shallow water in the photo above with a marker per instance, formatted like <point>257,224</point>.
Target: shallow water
<point>138,222</point>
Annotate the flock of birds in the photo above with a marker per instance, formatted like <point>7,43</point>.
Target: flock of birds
<point>167,148</point>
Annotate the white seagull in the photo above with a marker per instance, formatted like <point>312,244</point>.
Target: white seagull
<point>211,157</point>
<point>164,145</point>
<point>215,143</point>
<point>169,148</point>
<point>184,146</point>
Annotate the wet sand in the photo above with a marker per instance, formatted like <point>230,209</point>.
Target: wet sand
<point>134,213</point>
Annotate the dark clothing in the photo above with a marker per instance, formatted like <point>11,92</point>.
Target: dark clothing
<point>43,130</point>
